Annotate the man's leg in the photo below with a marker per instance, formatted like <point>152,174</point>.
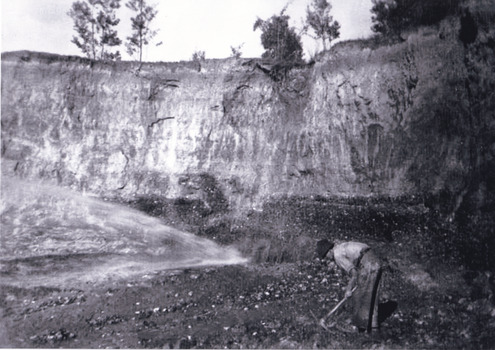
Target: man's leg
<point>373,322</point>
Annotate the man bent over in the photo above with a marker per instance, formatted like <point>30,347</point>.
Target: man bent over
<point>365,270</point>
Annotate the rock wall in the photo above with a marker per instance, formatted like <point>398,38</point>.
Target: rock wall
<point>392,121</point>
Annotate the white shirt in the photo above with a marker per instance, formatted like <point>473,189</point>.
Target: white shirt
<point>347,254</point>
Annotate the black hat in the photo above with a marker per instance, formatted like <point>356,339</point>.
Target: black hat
<point>322,248</point>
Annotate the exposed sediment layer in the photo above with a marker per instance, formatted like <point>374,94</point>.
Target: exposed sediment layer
<point>388,121</point>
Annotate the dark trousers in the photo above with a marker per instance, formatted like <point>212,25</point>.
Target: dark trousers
<point>365,297</point>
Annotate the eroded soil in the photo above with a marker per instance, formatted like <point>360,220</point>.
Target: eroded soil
<point>429,296</point>
<point>269,305</point>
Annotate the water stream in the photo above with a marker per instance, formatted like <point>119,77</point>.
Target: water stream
<point>51,235</point>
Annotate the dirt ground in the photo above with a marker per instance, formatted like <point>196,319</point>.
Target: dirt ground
<point>429,298</point>
<point>256,305</point>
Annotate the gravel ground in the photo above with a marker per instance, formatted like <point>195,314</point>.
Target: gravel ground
<point>91,282</point>
<point>274,305</point>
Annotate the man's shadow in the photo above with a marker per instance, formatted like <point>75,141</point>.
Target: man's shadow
<point>386,309</point>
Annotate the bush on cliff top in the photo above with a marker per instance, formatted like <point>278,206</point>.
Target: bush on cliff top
<point>283,48</point>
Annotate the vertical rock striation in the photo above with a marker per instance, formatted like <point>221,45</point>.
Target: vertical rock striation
<point>360,122</point>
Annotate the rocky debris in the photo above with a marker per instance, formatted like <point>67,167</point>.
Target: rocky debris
<point>416,274</point>
<point>101,321</point>
<point>262,305</point>
<point>53,337</point>
<point>259,306</point>
<point>63,299</point>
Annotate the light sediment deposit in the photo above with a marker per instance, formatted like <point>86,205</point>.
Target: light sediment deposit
<point>394,120</point>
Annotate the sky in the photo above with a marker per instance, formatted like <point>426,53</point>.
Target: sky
<point>184,26</point>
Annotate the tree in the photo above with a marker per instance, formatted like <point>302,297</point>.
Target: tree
<point>391,17</point>
<point>197,58</point>
<point>236,51</point>
<point>85,26</point>
<point>281,43</point>
<point>321,22</point>
<point>141,31</point>
<point>94,22</point>
<point>107,20</point>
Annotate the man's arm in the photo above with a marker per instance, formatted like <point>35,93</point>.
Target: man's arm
<point>352,283</point>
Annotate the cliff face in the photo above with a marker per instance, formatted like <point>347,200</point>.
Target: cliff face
<point>390,121</point>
